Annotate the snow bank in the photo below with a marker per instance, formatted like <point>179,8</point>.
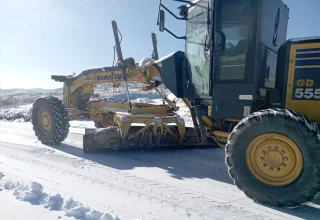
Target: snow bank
<point>13,209</point>
<point>22,112</point>
<point>34,194</point>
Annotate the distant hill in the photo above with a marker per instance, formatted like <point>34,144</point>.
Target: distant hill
<point>26,91</point>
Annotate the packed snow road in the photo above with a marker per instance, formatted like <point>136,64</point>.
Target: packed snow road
<point>161,184</point>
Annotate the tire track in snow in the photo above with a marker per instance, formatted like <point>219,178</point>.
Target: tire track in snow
<point>115,180</point>
<point>177,199</point>
<point>145,164</point>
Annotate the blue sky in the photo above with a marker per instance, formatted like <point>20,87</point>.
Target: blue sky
<point>39,38</point>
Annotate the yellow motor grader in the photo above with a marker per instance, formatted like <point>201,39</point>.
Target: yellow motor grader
<point>121,123</point>
<point>248,89</point>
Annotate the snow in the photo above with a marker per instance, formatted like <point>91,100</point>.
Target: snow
<point>61,182</point>
<point>35,195</point>
<point>82,212</point>
<point>162,184</point>
<point>54,202</point>
<point>142,100</point>
<point>20,112</point>
<point>9,206</point>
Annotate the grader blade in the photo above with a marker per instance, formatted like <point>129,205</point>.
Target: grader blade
<point>142,131</point>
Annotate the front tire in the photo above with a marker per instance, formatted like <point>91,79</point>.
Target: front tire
<point>50,120</point>
<point>273,157</point>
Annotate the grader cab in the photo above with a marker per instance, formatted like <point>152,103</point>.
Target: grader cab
<point>255,91</point>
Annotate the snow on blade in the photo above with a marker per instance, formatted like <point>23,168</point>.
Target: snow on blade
<point>142,100</point>
<point>34,194</point>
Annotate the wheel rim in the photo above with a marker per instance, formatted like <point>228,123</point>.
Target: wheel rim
<point>44,120</point>
<point>274,159</point>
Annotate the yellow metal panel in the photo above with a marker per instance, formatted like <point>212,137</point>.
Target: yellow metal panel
<point>209,110</point>
<point>207,122</point>
<point>308,107</point>
<point>233,120</point>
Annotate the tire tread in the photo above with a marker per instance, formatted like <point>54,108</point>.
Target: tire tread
<point>303,190</point>
<point>61,120</point>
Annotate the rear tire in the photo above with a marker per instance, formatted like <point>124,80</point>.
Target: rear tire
<point>50,120</point>
<point>292,126</point>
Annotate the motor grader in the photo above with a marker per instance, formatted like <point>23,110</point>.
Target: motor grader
<point>249,89</point>
<point>51,116</point>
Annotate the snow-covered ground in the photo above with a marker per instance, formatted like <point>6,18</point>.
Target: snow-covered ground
<point>61,182</point>
<point>9,206</point>
<point>18,113</point>
<point>34,194</point>
<point>17,97</point>
<point>159,184</point>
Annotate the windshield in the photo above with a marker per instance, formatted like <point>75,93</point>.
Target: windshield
<point>196,47</point>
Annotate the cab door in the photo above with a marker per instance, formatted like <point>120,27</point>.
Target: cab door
<point>233,64</point>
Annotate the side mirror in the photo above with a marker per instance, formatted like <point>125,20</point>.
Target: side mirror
<point>161,20</point>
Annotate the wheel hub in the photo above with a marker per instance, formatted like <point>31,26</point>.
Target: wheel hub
<point>44,119</point>
<point>274,159</point>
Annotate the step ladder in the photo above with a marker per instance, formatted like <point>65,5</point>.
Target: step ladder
<point>198,124</point>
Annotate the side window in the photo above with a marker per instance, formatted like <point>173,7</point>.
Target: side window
<point>233,59</point>
<point>235,20</point>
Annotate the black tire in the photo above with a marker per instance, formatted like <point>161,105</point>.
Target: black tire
<point>59,118</point>
<point>302,131</point>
